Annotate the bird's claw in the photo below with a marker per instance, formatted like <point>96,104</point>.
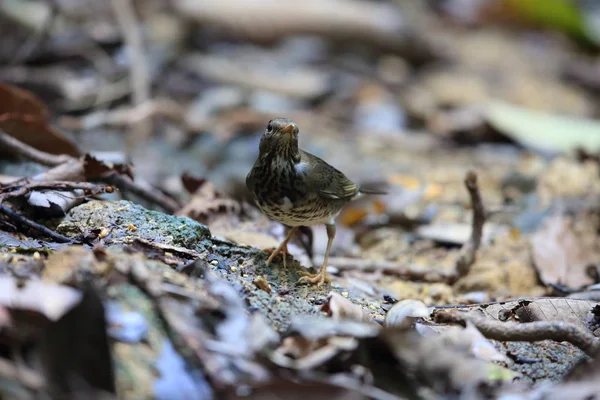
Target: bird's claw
<point>314,279</point>
<point>274,253</point>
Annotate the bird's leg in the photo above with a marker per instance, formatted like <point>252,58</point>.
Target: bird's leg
<point>321,277</point>
<point>282,248</point>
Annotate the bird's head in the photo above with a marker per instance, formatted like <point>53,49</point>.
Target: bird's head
<point>280,139</point>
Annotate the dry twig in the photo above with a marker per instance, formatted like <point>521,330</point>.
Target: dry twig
<point>67,168</point>
<point>9,143</point>
<point>559,331</point>
<point>41,229</point>
<point>468,253</point>
<point>21,188</point>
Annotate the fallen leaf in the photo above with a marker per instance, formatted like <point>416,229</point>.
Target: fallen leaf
<point>536,309</point>
<point>51,300</point>
<point>481,347</point>
<point>23,116</point>
<point>563,249</point>
<point>458,233</point>
<point>339,307</point>
<point>405,312</point>
<point>314,328</point>
<point>207,203</point>
<point>95,168</point>
<point>544,131</point>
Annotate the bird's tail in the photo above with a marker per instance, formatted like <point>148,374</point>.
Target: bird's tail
<point>373,188</point>
<point>370,190</point>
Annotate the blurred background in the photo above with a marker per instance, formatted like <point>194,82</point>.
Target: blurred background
<point>407,93</point>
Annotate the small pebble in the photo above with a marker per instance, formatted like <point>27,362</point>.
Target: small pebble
<point>103,233</point>
<point>233,269</point>
<point>345,294</point>
<point>37,256</point>
<point>214,262</point>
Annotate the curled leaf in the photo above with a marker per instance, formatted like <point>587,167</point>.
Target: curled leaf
<point>339,307</point>
<point>404,313</point>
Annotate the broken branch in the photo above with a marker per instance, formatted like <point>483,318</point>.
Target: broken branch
<point>19,148</point>
<point>66,168</point>
<point>41,229</point>
<point>468,253</point>
<point>559,331</point>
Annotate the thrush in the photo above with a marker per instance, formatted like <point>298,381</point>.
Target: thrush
<point>297,188</point>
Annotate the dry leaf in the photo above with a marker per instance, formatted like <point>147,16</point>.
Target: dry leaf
<point>51,300</point>
<point>564,248</point>
<point>95,168</point>
<point>23,116</point>
<point>536,309</point>
<point>338,307</point>
<point>207,204</point>
<point>481,347</point>
<point>405,312</point>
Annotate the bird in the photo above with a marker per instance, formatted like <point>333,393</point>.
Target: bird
<point>297,189</point>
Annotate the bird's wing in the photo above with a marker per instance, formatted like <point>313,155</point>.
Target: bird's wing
<point>326,180</point>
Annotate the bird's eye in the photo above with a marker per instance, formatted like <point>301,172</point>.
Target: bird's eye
<point>269,128</point>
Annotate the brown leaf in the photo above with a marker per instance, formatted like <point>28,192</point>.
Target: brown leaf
<point>564,248</point>
<point>25,117</point>
<point>339,307</point>
<point>206,203</point>
<point>192,183</point>
<point>95,168</point>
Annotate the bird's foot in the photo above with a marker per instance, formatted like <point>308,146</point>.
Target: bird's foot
<point>274,253</point>
<point>315,279</point>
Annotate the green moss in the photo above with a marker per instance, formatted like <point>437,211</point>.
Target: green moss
<point>127,220</point>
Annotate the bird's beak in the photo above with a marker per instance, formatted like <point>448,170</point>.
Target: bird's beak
<point>288,129</point>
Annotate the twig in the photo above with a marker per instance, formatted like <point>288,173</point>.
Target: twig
<point>57,237</point>
<point>524,332</point>
<point>408,271</point>
<point>468,253</point>
<point>16,146</point>
<point>18,189</point>
<point>66,167</point>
